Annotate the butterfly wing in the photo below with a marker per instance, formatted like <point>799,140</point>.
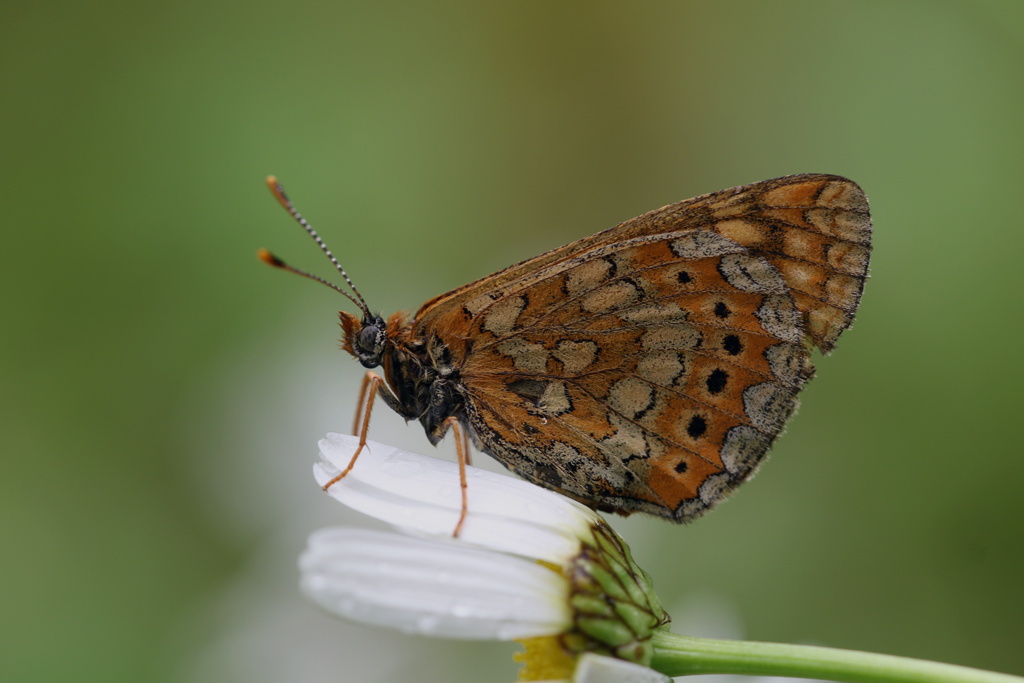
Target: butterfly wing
<point>650,367</point>
<point>815,229</point>
<point>645,375</point>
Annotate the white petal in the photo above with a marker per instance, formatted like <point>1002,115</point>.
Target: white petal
<point>421,494</point>
<point>432,587</point>
<point>591,668</point>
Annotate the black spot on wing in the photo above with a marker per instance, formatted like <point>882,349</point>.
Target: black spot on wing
<point>717,380</point>
<point>732,345</point>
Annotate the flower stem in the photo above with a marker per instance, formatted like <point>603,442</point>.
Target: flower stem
<point>676,655</point>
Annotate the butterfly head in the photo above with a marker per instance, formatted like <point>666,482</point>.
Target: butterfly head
<point>365,339</point>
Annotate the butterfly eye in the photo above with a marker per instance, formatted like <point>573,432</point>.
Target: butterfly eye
<point>368,338</point>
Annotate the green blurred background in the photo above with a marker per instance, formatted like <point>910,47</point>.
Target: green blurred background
<point>163,391</point>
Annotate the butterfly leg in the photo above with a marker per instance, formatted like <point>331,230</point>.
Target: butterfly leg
<point>462,447</point>
<point>367,380</point>
<point>372,384</point>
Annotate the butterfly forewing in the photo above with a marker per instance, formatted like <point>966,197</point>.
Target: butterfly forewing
<point>814,228</point>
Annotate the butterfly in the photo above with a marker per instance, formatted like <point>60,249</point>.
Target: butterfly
<point>647,368</point>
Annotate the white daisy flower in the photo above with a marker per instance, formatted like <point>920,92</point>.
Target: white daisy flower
<point>529,565</point>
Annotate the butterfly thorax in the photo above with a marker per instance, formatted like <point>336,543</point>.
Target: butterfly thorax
<point>420,373</point>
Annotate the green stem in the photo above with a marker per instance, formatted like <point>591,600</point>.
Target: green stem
<point>676,655</point>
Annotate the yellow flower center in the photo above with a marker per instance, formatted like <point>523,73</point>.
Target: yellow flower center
<point>544,659</point>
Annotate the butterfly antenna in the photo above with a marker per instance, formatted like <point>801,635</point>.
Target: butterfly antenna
<point>278,191</point>
<point>268,258</point>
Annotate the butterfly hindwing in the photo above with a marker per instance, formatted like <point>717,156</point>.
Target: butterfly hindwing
<point>646,375</point>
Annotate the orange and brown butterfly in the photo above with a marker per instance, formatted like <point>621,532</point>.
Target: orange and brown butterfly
<point>647,368</point>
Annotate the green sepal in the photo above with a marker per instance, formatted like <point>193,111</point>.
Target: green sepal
<point>615,610</point>
<point>609,632</point>
<point>593,605</point>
